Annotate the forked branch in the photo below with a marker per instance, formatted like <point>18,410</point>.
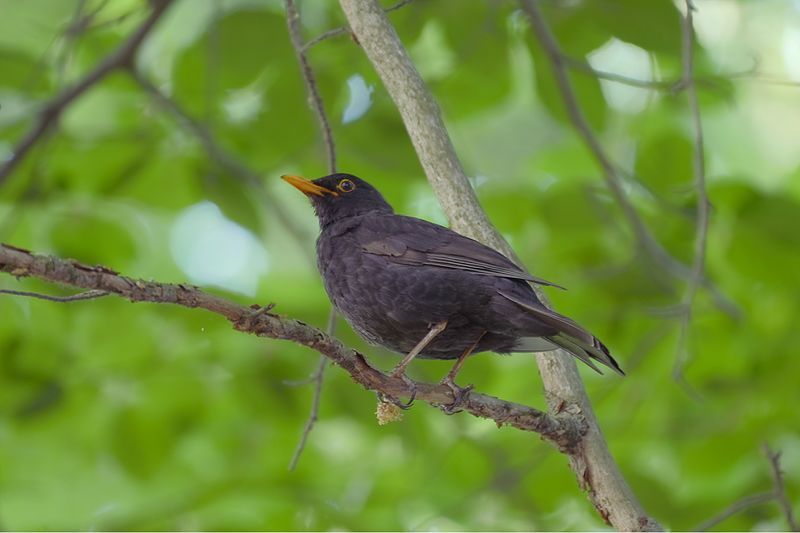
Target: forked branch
<point>591,460</point>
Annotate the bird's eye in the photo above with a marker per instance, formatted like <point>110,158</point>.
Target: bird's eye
<point>346,185</point>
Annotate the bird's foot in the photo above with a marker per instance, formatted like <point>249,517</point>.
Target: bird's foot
<point>396,401</point>
<point>459,396</point>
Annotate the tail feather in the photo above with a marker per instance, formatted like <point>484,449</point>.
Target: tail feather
<point>575,349</point>
<point>572,337</point>
<point>586,353</point>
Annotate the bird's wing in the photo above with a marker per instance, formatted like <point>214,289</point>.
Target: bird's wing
<point>412,241</point>
<point>572,337</point>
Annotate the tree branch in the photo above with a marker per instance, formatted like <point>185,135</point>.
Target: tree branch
<point>779,488</point>
<point>313,415</point>
<point>591,460</point>
<point>736,507</point>
<point>703,204</point>
<point>341,30</point>
<point>317,104</point>
<point>777,494</point>
<point>644,238</point>
<point>51,111</point>
<point>314,98</point>
<point>563,432</point>
<point>86,295</point>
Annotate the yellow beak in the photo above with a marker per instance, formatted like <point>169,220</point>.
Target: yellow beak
<point>306,186</point>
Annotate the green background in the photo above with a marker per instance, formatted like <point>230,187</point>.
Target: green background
<point>122,416</point>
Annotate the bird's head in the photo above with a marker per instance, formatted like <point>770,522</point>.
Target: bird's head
<point>339,196</point>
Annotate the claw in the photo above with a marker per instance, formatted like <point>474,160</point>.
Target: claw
<point>459,396</point>
<point>396,401</point>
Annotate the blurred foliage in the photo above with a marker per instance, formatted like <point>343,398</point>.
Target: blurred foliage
<point>121,416</point>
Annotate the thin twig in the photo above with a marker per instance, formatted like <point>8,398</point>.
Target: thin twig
<point>581,65</point>
<point>562,431</point>
<point>703,207</point>
<point>779,487</point>
<point>87,295</point>
<point>610,172</point>
<point>575,112</point>
<point>313,415</point>
<point>293,22</point>
<point>672,86</point>
<point>317,378</point>
<point>736,507</point>
<point>341,30</point>
<point>51,111</point>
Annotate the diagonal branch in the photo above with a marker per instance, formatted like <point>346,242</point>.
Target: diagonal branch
<point>49,114</point>
<point>591,461</point>
<point>736,507</point>
<point>777,494</point>
<point>610,172</point>
<point>563,432</point>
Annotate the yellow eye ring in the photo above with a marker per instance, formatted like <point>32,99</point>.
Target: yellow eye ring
<point>346,185</point>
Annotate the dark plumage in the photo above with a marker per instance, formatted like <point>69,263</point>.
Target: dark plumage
<point>395,277</point>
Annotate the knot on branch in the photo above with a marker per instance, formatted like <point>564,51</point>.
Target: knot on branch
<point>249,321</point>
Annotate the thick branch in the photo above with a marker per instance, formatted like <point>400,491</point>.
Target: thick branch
<point>561,431</point>
<point>590,460</point>
<point>49,114</point>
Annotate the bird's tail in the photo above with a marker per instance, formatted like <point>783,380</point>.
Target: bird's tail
<point>571,336</point>
<point>583,350</point>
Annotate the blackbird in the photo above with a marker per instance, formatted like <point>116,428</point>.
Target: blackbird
<point>423,290</point>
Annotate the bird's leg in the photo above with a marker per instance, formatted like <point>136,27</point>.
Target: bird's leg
<point>400,370</point>
<point>459,393</point>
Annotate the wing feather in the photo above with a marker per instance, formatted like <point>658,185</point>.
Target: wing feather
<point>416,242</point>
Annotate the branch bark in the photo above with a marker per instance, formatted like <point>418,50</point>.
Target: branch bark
<point>595,468</point>
<point>561,431</point>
